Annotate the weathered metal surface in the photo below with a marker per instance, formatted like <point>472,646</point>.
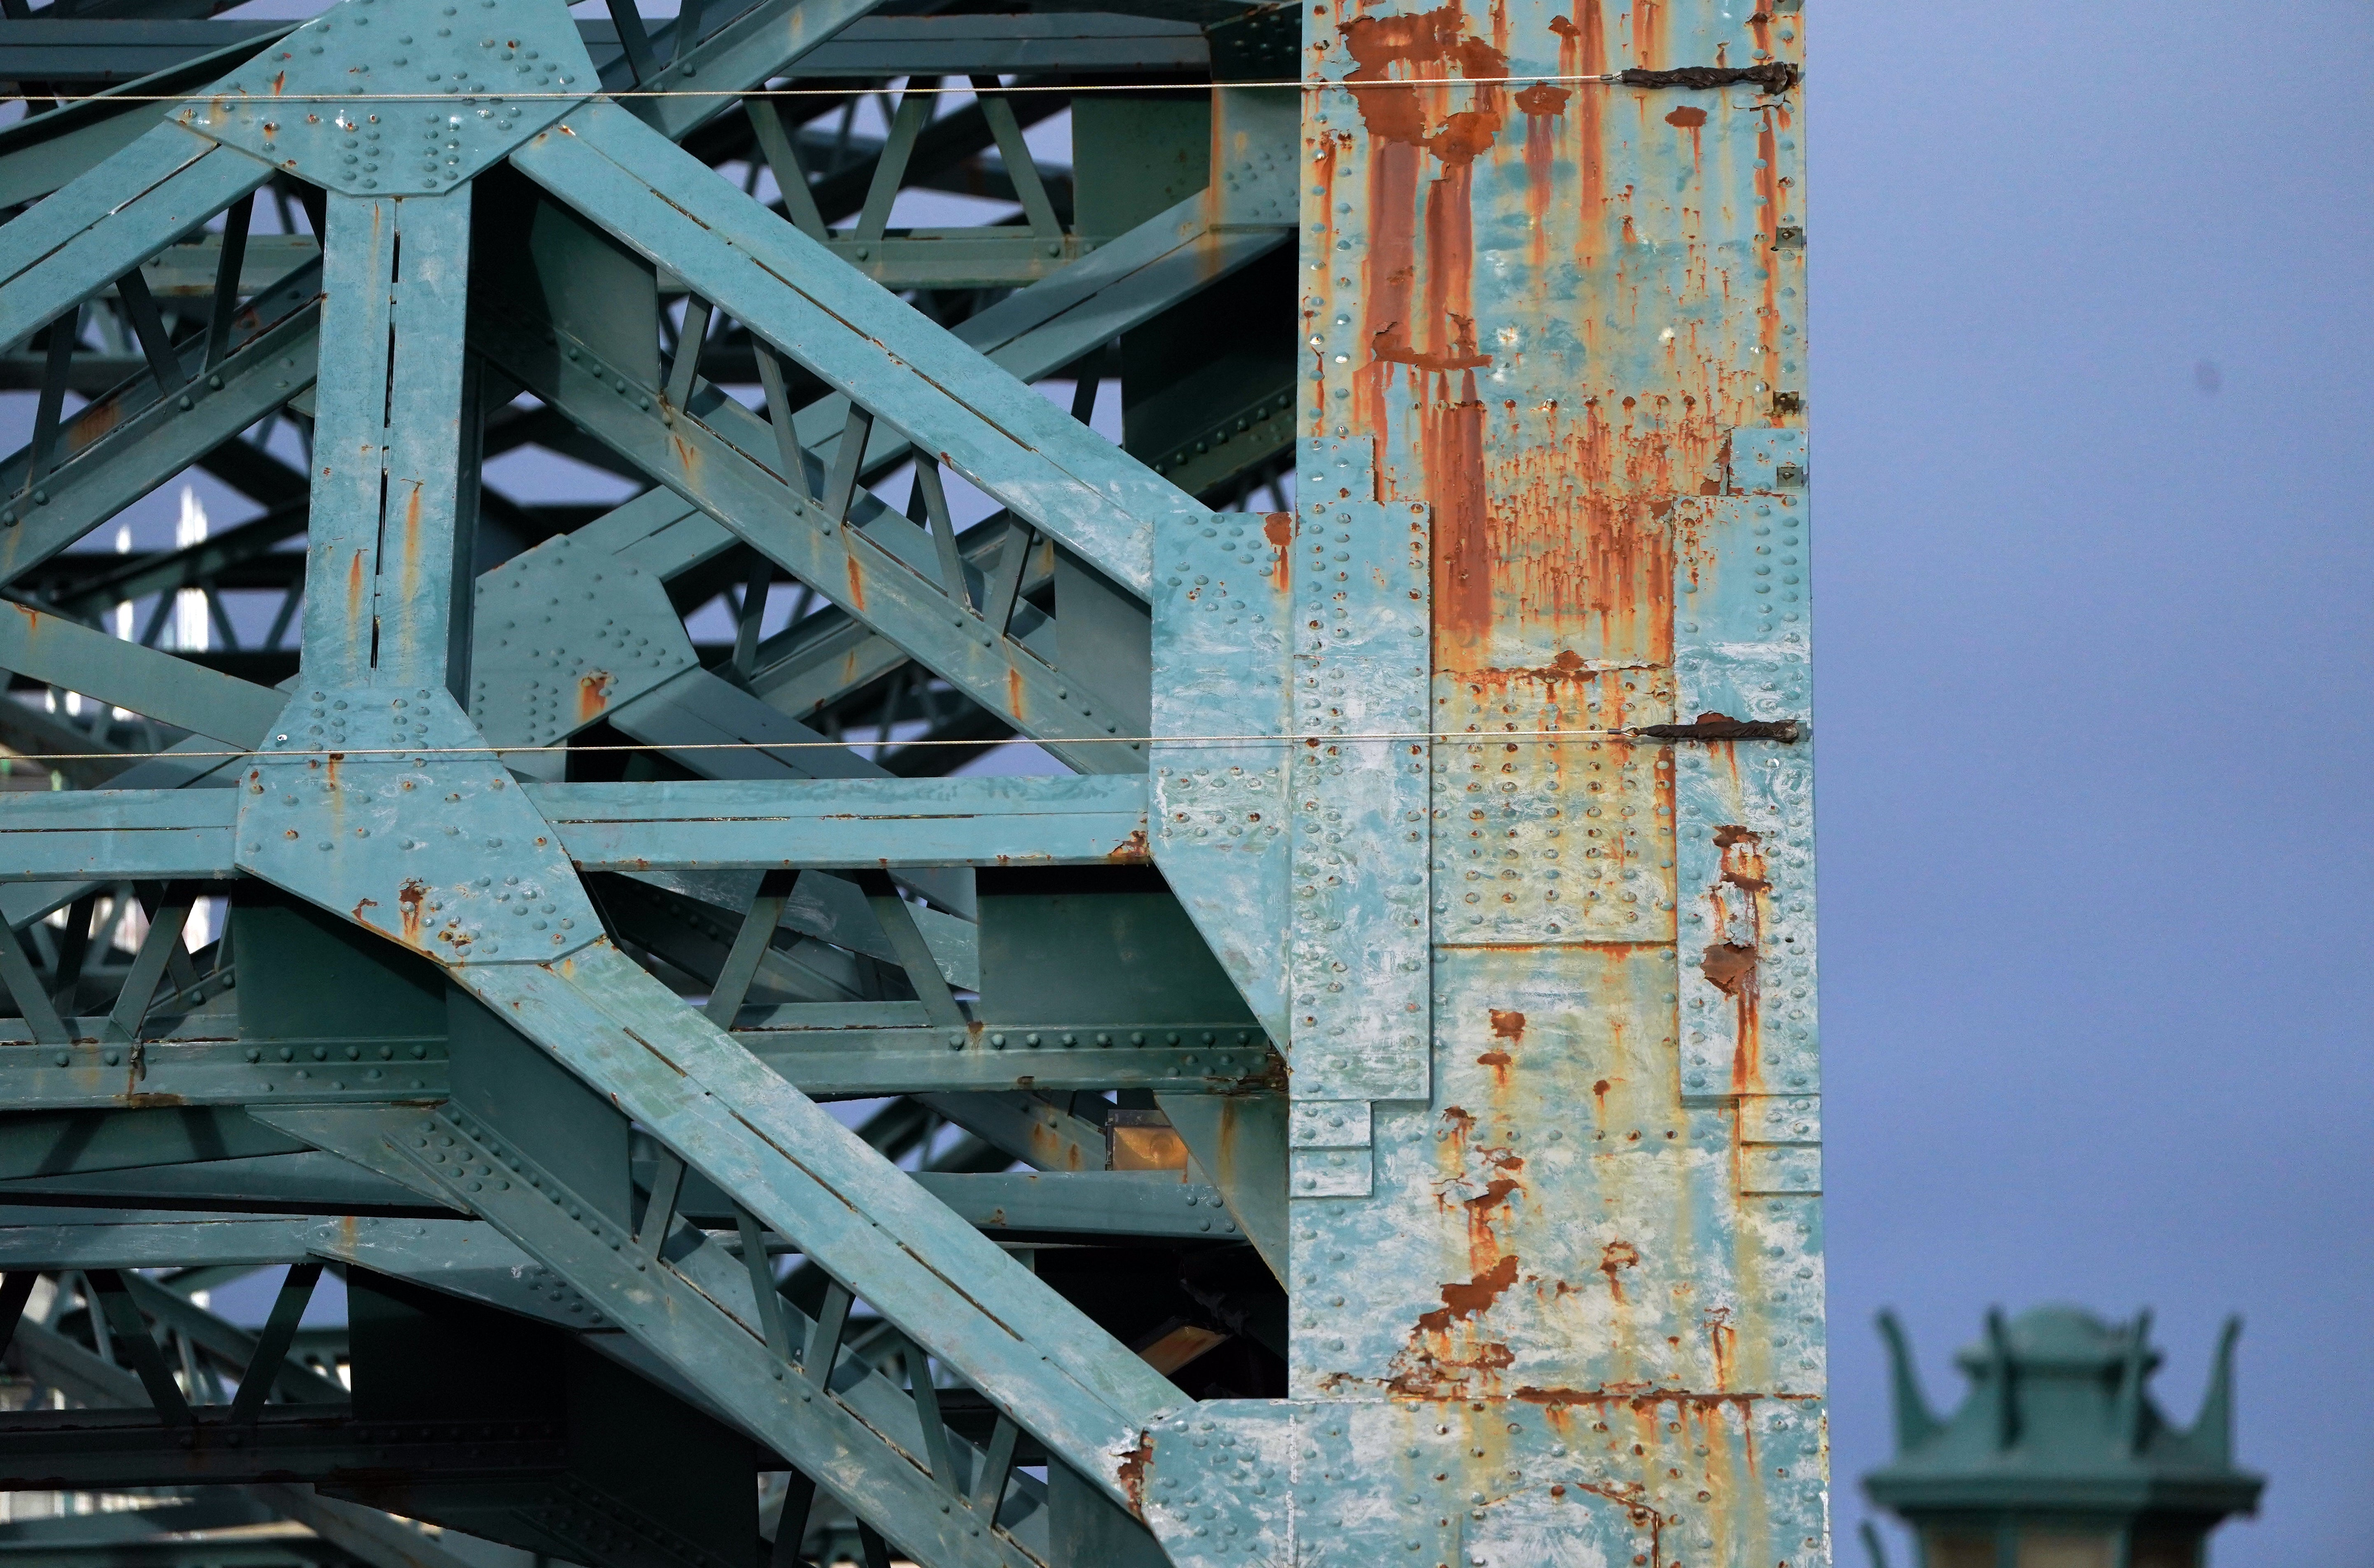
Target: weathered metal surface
<point>1565,314</point>
<point>1482,768</point>
<point>430,104</point>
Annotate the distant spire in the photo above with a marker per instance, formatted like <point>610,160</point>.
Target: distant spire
<point>1914,1424</point>
<point>2130,1411</point>
<point>2213,1429</point>
<point>2004,1408</point>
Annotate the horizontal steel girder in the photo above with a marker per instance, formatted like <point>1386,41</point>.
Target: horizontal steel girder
<point>780,825</point>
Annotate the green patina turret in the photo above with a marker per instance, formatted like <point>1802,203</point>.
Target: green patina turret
<point>2059,1458</point>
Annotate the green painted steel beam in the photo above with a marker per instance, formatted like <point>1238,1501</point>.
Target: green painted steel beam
<point>205,1061</point>
<point>1011,443</point>
<point>791,824</point>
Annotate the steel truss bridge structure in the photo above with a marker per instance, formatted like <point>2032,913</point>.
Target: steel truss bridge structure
<point>1361,1109</point>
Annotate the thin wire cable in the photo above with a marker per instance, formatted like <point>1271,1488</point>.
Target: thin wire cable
<point>492,749</point>
<point>1583,80</point>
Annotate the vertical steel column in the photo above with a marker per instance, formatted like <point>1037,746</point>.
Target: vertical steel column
<point>385,558</point>
<point>1557,1277</point>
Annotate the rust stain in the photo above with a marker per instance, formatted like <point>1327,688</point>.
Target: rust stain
<point>410,574</point>
<point>1464,554</point>
<point>1132,850</point>
<point>1279,529</point>
<point>1648,33</point>
<point>1562,522</point>
<point>1482,1241</point>
<point>355,585</point>
<point>1131,1472</point>
<point>1462,1300</point>
<point>1541,104</point>
<point>593,695</point>
<point>856,585</point>
<point>1615,1257</point>
<point>1736,906</point>
<point>1013,692</point>
<point>1686,118</point>
<point>1508,1026</point>
<point>408,898</point>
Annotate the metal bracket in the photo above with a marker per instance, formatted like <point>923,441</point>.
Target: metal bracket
<point>382,803</point>
<point>284,106</point>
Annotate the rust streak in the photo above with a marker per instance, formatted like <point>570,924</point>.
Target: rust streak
<point>593,695</point>
<point>1279,529</point>
<point>1614,1257</point>
<point>408,899</point>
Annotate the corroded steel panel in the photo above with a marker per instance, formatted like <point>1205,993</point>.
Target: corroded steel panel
<point>1551,277</point>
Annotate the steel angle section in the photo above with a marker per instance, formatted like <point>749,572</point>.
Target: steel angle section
<point>839,1202</point>
<point>118,835</point>
<point>60,652</point>
<point>859,1434</point>
<point>709,725</point>
<point>763,42</point>
<point>719,455</point>
<point>110,1240</point>
<point>79,239</point>
<point>827,823</point>
<point>1357,968</point>
<point>123,444</point>
<point>1743,807</point>
<point>1012,443</point>
<point>1219,769</point>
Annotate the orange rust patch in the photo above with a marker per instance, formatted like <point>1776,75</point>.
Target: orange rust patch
<point>1132,850</point>
<point>1508,1026</point>
<point>407,900</point>
<point>1463,1301</point>
<point>1730,967</point>
<point>1465,561</point>
<point>1429,42</point>
<point>1131,1471</point>
<point>592,694</point>
<point>1279,529</point>
<point>1688,119</point>
<point>856,585</point>
<point>1541,98</point>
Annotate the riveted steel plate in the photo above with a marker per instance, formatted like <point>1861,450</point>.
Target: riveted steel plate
<point>390,100</point>
<point>383,804</point>
<point>1356,964</point>
<point>1744,809</point>
<point>1219,804</point>
<point>1558,1479</point>
<point>566,633</point>
<point>1254,133</point>
<point>1550,824</point>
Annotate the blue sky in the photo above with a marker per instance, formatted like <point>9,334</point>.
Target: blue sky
<point>2092,323</point>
